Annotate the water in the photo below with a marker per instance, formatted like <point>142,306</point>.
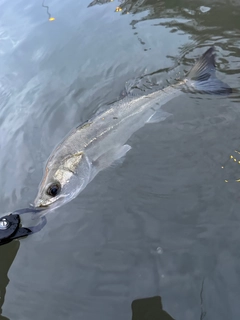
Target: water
<point>163,222</point>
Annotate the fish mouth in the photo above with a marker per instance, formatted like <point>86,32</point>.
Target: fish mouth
<point>43,206</point>
<point>39,204</point>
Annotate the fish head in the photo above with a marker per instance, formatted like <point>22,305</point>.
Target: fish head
<point>63,182</point>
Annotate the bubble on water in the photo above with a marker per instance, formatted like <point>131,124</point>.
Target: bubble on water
<point>204,9</point>
<point>191,12</point>
<point>159,250</point>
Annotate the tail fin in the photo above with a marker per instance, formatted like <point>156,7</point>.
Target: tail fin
<point>202,76</point>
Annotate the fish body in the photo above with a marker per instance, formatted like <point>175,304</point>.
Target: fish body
<point>112,128</point>
<point>96,144</point>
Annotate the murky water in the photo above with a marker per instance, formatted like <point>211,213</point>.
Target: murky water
<point>164,221</point>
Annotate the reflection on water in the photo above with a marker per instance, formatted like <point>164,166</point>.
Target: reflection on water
<point>161,221</point>
<point>50,18</point>
<point>231,167</point>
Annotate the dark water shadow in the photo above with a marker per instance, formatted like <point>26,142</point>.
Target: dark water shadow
<point>93,3</point>
<point>8,253</point>
<point>149,309</point>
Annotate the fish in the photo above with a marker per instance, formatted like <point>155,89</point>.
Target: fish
<point>99,142</point>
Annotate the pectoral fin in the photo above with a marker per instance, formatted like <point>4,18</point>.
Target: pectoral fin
<point>158,116</point>
<point>106,159</point>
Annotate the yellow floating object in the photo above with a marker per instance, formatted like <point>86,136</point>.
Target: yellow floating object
<point>235,159</point>
<point>231,157</point>
<point>222,167</point>
<point>118,9</point>
<point>226,180</point>
<point>51,19</point>
<point>238,180</point>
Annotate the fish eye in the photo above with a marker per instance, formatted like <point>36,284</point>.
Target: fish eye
<point>54,189</point>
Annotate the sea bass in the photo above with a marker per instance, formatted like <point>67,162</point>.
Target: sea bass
<point>97,143</point>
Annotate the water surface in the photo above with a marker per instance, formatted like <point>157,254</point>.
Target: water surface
<point>164,221</point>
